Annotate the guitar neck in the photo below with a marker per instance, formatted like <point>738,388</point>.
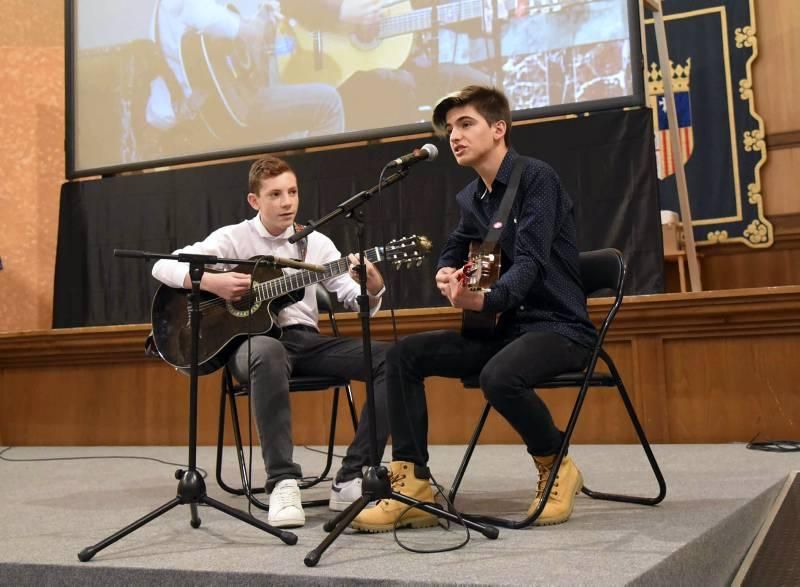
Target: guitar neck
<point>297,280</point>
<point>423,18</point>
<point>454,12</point>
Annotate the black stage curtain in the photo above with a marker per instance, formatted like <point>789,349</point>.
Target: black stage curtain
<point>605,160</point>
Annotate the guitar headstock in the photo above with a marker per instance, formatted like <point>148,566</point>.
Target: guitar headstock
<point>407,251</point>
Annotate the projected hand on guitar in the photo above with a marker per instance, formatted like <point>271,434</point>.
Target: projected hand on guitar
<point>224,322</point>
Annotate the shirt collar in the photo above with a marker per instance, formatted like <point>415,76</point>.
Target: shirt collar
<point>502,177</point>
<point>264,233</point>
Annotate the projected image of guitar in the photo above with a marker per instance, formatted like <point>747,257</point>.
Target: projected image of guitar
<point>226,76</point>
<point>480,273</point>
<point>332,57</point>
<point>229,74</point>
<point>223,323</point>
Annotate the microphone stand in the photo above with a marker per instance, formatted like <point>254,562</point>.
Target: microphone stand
<point>376,485</point>
<point>191,486</point>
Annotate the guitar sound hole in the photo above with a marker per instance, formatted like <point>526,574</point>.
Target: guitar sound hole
<point>242,308</point>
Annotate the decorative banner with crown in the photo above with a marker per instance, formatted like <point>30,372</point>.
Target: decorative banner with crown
<point>712,46</point>
<point>683,106</point>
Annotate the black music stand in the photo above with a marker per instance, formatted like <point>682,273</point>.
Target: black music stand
<point>376,484</point>
<point>191,486</point>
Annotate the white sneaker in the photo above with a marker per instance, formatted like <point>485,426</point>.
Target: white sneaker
<point>345,493</point>
<point>285,507</point>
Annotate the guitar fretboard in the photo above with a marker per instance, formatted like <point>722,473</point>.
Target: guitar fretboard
<point>422,19</point>
<point>282,285</point>
<point>453,12</point>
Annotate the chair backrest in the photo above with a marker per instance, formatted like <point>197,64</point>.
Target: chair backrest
<point>325,306</point>
<point>601,270</point>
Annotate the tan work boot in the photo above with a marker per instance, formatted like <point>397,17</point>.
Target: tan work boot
<point>382,518</point>
<point>561,500</point>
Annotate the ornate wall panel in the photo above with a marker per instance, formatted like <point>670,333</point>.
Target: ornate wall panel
<point>712,47</point>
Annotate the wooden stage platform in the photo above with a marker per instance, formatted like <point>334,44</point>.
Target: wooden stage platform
<point>709,367</point>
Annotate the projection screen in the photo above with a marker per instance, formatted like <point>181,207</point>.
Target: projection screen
<point>160,82</point>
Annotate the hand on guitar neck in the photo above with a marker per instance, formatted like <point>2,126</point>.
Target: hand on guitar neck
<point>374,277</point>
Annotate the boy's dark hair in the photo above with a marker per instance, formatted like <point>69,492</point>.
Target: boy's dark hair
<point>490,103</point>
<point>265,168</point>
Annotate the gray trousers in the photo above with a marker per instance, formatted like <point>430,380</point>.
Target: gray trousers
<point>306,352</point>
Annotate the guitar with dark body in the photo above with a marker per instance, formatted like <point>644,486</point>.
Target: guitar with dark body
<point>224,324</point>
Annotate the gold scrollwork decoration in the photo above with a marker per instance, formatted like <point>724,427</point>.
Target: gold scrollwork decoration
<point>754,140</point>
<point>717,236</point>
<point>754,193</point>
<point>757,232</point>
<point>745,36</point>
<point>745,89</point>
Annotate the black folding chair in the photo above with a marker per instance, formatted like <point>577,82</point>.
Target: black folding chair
<point>232,389</point>
<point>601,270</point>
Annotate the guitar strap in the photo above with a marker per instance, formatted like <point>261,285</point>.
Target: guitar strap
<point>500,217</point>
<point>302,244</point>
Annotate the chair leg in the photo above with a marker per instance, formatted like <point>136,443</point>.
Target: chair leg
<point>562,452</point>
<point>221,441</point>
<point>243,469</point>
<point>331,439</point>
<point>228,395</point>
<point>462,468</point>
<point>514,524</point>
<point>352,405</point>
<point>662,485</point>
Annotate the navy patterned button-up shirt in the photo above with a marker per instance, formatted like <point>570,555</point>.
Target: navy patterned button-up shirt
<point>539,286</point>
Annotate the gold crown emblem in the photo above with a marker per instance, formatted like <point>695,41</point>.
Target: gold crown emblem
<point>680,78</point>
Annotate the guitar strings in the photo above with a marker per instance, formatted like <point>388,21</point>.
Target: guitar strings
<point>276,285</point>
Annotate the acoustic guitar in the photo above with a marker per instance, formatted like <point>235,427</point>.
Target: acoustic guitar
<point>224,324</point>
<point>481,272</point>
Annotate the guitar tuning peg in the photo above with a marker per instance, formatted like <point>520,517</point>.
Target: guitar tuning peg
<point>418,263</point>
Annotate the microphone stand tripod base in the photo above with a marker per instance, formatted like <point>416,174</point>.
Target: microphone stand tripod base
<point>375,487</point>
<point>191,486</point>
<point>192,491</point>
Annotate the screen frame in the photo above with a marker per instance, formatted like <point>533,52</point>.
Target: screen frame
<point>636,99</point>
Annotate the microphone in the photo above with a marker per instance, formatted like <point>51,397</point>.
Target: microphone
<point>426,152</point>
<point>281,262</point>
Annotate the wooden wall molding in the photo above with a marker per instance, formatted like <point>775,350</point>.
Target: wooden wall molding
<point>783,140</point>
<point>716,366</point>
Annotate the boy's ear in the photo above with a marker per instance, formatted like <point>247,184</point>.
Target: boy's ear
<point>252,199</point>
<point>500,129</point>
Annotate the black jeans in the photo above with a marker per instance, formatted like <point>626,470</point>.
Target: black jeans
<point>509,370</point>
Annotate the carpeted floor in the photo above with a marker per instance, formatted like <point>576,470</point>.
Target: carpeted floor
<point>717,498</point>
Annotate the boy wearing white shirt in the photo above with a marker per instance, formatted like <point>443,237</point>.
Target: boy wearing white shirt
<point>301,350</point>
